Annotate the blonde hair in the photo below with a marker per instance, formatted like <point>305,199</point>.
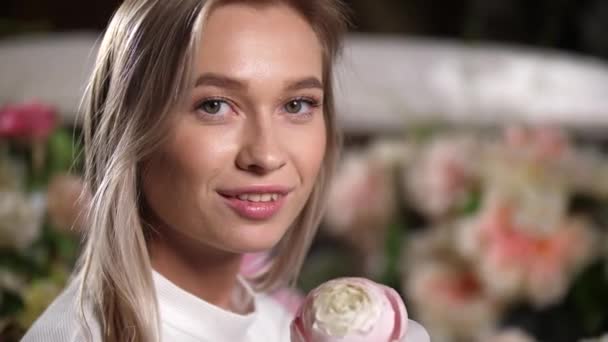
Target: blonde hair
<point>143,71</point>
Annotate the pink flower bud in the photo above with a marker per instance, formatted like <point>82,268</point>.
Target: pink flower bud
<point>350,310</point>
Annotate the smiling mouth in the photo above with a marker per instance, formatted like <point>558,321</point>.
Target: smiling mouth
<point>256,197</point>
<point>256,193</point>
<point>255,203</point>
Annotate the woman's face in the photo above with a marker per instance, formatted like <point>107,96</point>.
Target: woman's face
<point>244,155</point>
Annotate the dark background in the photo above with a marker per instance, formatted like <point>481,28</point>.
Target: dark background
<point>575,25</point>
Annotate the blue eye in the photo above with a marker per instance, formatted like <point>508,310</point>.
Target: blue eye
<point>214,107</point>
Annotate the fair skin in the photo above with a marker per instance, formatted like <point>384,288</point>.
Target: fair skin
<point>253,125</point>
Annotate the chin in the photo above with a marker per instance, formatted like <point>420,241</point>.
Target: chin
<point>255,239</point>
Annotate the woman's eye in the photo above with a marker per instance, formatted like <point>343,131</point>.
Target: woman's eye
<point>214,107</point>
<point>300,106</point>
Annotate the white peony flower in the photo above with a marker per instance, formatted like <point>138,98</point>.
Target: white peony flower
<point>351,310</point>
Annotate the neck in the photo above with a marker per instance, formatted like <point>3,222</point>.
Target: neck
<point>201,271</point>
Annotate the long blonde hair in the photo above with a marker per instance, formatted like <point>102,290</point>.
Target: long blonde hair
<point>142,72</point>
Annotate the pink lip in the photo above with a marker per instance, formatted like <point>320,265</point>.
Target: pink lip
<point>255,210</point>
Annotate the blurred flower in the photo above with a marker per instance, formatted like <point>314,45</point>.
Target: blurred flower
<point>514,264</point>
<point>391,152</point>
<point>540,143</point>
<point>65,207</point>
<point>361,195</point>
<point>351,310</point>
<point>450,301</point>
<point>10,280</point>
<point>550,151</point>
<point>510,335</point>
<point>446,292</point>
<point>21,218</point>
<point>255,263</point>
<point>33,121</point>
<point>443,175</point>
<point>537,188</point>
<point>362,202</point>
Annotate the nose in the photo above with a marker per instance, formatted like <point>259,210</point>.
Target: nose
<point>261,152</point>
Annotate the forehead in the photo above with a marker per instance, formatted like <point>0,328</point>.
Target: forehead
<point>258,42</point>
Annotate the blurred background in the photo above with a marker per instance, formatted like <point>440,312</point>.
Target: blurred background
<point>474,178</point>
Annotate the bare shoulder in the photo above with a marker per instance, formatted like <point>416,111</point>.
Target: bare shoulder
<point>59,322</point>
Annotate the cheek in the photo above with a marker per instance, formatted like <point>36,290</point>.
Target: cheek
<point>201,154</point>
<point>307,146</point>
<point>185,170</point>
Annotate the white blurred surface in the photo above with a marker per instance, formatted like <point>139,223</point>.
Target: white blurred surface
<point>383,83</point>
<point>53,69</point>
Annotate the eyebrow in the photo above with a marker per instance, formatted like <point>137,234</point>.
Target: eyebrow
<point>305,83</point>
<point>215,80</point>
<point>221,81</point>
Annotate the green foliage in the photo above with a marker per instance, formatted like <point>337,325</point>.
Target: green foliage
<point>395,238</point>
<point>590,296</point>
<point>10,303</point>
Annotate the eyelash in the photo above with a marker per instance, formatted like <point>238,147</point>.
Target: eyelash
<point>312,102</point>
<point>212,117</point>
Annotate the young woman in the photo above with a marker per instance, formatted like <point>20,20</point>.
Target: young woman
<point>209,133</point>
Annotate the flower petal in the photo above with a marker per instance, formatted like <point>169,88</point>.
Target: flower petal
<point>401,317</point>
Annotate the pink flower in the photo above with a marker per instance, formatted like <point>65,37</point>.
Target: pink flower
<point>542,143</point>
<point>443,175</point>
<point>515,263</point>
<point>350,310</point>
<point>255,263</point>
<point>362,202</point>
<point>450,300</point>
<point>532,173</point>
<point>34,121</point>
<point>362,194</point>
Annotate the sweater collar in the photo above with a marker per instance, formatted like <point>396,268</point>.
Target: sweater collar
<point>200,319</point>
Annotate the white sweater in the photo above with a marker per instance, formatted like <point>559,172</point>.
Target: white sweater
<point>186,318</point>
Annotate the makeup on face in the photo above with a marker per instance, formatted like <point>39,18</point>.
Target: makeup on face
<point>245,154</point>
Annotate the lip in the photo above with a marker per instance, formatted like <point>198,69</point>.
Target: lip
<point>255,210</point>
<point>255,189</point>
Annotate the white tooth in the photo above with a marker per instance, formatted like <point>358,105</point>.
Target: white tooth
<point>254,197</point>
<point>266,197</point>
<point>243,197</point>
<point>275,197</point>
